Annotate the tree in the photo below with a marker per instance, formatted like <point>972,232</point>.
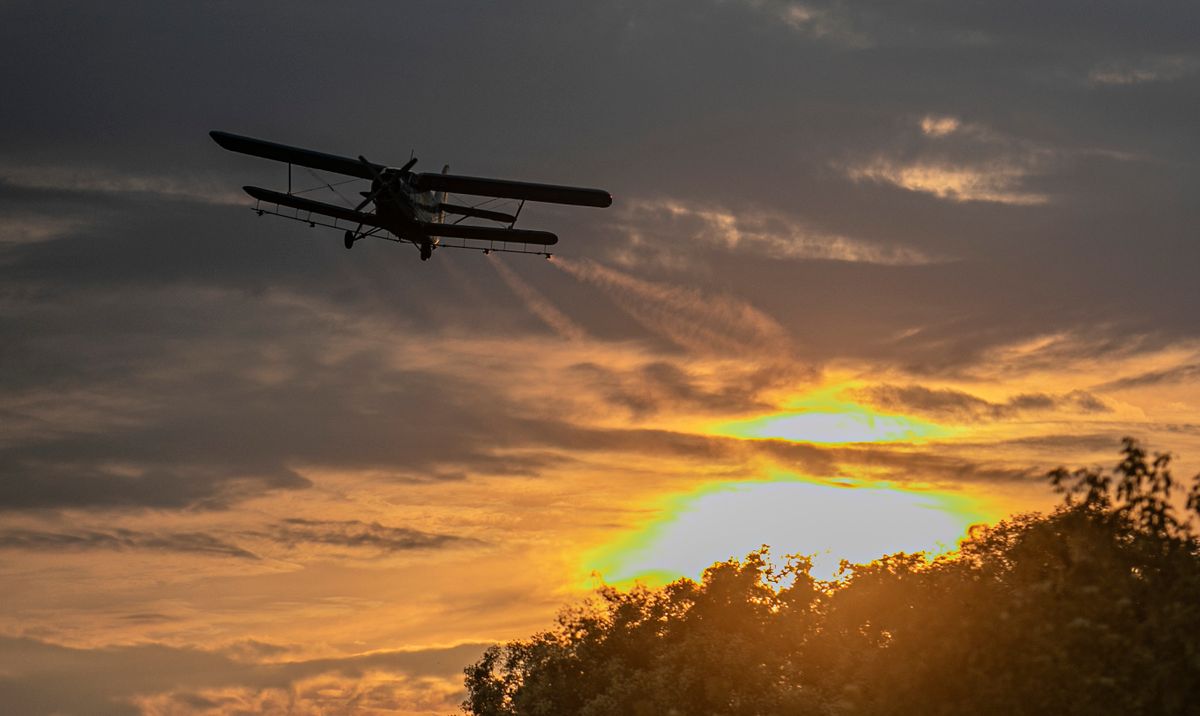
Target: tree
<point>1093,608</point>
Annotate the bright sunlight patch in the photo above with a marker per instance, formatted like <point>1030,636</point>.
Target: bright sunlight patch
<point>792,516</point>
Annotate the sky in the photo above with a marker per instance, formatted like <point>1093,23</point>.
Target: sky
<point>872,269</point>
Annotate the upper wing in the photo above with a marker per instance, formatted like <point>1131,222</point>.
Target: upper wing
<point>296,155</point>
<point>490,233</point>
<point>503,189</point>
<point>316,207</point>
<point>477,213</point>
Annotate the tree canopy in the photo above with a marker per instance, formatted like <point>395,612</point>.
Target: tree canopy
<point>1091,609</point>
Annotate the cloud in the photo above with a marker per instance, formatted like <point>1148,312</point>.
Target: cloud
<point>1174,374</point>
<point>953,404</point>
<point>939,126</point>
<point>666,386</point>
<point>813,20</point>
<point>907,467</point>
<point>294,532</point>
<point>1155,68</point>
<point>38,677</point>
<point>49,482</point>
<point>103,180</point>
<point>654,227</point>
<point>121,539</point>
<point>962,161</point>
<point>31,227</point>
<point>996,183</point>
<point>291,533</point>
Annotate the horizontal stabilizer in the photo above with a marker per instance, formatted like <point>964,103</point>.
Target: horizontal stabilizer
<point>296,155</point>
<point>477,213</point>
<point>504,189</point>
<point>490,233</point>
<point>316,207</point>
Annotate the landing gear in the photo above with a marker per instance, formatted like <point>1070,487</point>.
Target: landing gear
<point>349,239</point>
<point>426,250</point>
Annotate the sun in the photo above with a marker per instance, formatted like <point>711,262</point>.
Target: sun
<point>855,519</point>
<point>793,515</point>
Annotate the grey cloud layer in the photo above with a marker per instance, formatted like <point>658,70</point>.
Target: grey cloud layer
<point>736,105</point>
<point>46,678</point>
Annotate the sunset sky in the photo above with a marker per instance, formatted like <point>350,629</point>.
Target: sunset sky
<point>872,268</point>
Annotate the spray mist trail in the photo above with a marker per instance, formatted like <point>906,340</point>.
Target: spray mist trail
<point>538,304</point>
<point>694,321</point>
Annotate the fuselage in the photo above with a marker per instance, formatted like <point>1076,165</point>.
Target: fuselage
<point>402,209</point>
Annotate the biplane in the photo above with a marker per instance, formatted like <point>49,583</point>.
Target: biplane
<point>408,206</point>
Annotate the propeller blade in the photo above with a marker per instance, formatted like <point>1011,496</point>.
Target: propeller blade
<point>382,181</point>
<point>371,168</point>
<point>378,185</point>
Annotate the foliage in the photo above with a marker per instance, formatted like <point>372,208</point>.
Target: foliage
<point>1092,609</point>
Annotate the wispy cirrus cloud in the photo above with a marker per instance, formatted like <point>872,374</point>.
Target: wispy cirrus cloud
<point>818,21</point>
<point>677,226</point>
<point>1153,68</point>
<point>958,160</point>
<point>355,534</point>
<point>1174,374</point>
<point>958,405</point>
<point>22,229</point>
<point>103,180</point>
<point>121,539</point>
<point>999,182</point>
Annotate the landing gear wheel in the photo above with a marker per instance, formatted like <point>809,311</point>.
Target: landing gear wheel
<point>349,239</point>
<point>426,251</point>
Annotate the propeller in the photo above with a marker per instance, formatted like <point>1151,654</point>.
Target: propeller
<point>382,180</point>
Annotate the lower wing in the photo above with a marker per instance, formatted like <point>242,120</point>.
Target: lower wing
<point>489,233</point>
<point>315,207</point>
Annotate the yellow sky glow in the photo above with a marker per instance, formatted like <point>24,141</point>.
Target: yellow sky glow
<point>822,417</point>
<point>851,520</point>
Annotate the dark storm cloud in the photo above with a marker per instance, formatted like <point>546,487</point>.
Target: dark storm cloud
<point>358,534</point>
<point>957,405</point>
<point>121,539</point>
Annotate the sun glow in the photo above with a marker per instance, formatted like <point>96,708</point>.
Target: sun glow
<point>821,417</point>
<point>830,522</point>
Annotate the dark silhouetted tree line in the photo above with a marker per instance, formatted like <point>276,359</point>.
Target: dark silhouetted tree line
<point>1092,609</point>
